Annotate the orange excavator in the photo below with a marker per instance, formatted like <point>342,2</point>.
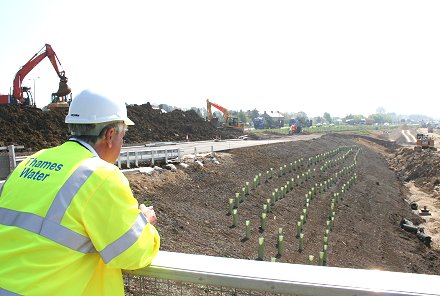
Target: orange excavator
<point>21,95</point>
<point>229,121</point>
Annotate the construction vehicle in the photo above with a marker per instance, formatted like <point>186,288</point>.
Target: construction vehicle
<point>294,127</point>
<point>21,94</point>
<point>424,142</point>
<point>229,121</point>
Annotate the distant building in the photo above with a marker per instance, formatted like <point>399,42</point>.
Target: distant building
<point>273,119</point>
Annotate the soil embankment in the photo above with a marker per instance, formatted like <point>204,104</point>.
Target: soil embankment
<point>192,205</point>
<point>35,129</point>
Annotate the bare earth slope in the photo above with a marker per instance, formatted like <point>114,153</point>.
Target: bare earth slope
<point>192,205</point>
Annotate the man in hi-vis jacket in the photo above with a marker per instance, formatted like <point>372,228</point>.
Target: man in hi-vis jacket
<point>68,220</point>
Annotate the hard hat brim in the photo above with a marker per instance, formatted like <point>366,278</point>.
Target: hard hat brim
<point>128,121</point>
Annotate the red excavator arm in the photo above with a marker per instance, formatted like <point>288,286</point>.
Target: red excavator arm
<point>46,51</point>
<point>220,108</point>
<point>229,121</point>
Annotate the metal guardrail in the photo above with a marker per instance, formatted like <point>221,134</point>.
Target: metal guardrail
<point>208,273</point>
<point>126,158</point>
<point>8,162</point>
<point>150,156</point>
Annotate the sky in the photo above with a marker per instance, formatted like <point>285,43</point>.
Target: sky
<point>341,57</point>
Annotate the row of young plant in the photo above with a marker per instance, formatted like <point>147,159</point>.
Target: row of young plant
<point>329,160</point>
<point>309,197</point>
<point>297,180</point>
<point>335,198</point>
<point>351,177</point>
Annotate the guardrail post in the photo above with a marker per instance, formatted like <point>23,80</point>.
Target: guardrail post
<point>152,157</point>
<point>119,161</point>
<point>212,151</point>
<point>166,155</point>
<point>128,159</point>
<point>136,160</point>
<point>12,161</point>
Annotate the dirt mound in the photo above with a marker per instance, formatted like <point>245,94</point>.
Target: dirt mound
<point>421,167</point>
<point>31,127</point>
<point>36,129</point>
<point>153,125</point>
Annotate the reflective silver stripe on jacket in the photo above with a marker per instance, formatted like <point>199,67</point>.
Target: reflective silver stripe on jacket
<point>125,241</point>
<point>48,229</point>
<point>69,189</point>
<point>4,292</point>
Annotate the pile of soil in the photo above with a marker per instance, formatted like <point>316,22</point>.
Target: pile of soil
<point>36,129</point>
<point>31,127</point>
<point>155,125</point>
<point>421,167</point>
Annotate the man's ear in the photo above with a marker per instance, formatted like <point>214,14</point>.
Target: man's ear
<point>109,134</point>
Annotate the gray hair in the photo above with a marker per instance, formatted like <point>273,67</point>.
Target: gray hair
<point>91,133</point>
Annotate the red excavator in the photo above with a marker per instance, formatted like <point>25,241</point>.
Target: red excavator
<point>21,95</point>
<point>230,122</point>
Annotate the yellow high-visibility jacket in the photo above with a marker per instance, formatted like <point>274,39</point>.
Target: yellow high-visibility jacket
<point>68,224</point>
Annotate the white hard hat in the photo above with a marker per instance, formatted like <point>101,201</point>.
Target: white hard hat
<point>89,108</point>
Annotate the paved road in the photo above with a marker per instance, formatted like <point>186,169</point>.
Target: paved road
<point>208,146</point>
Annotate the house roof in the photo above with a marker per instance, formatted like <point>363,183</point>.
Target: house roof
<point>273,114</point>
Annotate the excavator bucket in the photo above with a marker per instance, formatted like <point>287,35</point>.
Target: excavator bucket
<point>63,88</point>
<point>60,100</point>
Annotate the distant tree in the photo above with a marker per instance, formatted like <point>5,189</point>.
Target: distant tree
<point>288,115</point>
<point>199,111</point>
<point>376,118</point>
<point>219,115</point>
<point>242,116</point>
<point>302,118</point>
<point>392,117</point>
<point>318,119</point>
<point>204,112</point>
<point>380,110</point>
<point>252,114</point>
<point>166,107</point>
<point>233,112</point>
<point>419,117</point>
<point>328,117</point>
<point>381,118</point>
<point>354,119</point>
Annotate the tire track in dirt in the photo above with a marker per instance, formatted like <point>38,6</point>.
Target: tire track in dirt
<point>408,136</point>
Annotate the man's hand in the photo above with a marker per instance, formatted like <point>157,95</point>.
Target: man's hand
<point>149,213</point>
